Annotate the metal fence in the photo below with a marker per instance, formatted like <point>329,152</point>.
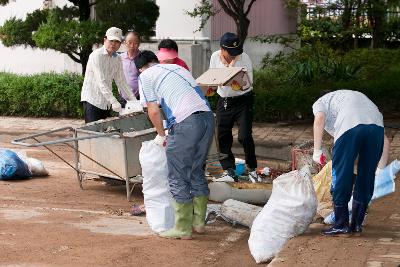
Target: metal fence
<point>334,11</point>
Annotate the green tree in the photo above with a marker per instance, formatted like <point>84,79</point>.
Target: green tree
<point>238,10</point>
<point>345,21</point>
<point>139,15</point>
<point>70,30</point>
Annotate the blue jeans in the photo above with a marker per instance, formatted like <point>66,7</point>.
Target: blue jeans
<point>187,148</point>
<point>366,143</point>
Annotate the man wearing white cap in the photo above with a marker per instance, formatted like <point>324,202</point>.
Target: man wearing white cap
<point>104,66</point>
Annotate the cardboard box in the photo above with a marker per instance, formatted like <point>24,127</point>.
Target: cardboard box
<point>236,77</point>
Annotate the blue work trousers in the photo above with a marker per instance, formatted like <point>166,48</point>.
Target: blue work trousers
<point>366,143</point>
<point>187,148</point>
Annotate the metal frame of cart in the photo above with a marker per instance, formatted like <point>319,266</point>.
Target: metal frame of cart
<point>107,148</point>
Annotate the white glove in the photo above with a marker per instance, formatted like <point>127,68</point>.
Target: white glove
<point>160,140</point>
<point>132,106</point>
<point>116,106</point>
<point>319,157</point>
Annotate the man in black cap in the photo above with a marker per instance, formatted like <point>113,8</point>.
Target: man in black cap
<point>235,104</point>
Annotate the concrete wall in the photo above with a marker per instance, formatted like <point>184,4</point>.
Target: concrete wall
<point>27,60</point>
<point>195,48</point>
<point>196,55</point>
<point>22,60</point>
<point>266,18</point>
<point>173,23</point>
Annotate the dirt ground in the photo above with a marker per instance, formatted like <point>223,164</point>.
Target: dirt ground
<point>50,221</point>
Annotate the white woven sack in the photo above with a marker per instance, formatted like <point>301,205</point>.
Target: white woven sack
<point>36,167</point>
<point>157,196</point>
<point>288,213</point>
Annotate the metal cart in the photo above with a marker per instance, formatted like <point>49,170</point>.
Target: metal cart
<point>107,148</point>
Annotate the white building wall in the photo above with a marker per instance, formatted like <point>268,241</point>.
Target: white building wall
<point>172,23</point>
<point>23,60</point>
<point>175,24</point>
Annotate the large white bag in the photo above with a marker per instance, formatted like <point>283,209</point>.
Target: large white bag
<point>157,197</point>
<point>288,213</point>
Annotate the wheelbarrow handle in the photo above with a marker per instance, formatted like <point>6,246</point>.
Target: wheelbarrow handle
<point>21,142</point>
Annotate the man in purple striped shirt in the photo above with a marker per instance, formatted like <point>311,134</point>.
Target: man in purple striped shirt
<point>132,42</point>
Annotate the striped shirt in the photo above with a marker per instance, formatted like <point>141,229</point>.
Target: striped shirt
<point>101,70</point>
<point>131,73</point>
<point>175,89</point>
<point>244,61</point>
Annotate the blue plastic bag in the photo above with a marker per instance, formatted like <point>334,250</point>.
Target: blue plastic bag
<point>384,182</point>
<point>12,167</point>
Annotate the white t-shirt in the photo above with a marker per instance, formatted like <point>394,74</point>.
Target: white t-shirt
<point>244,61</point>
<point>345,109</point>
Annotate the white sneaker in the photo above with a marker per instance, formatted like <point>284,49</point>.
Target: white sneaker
<point>254,177</point>
<point>225,177</point>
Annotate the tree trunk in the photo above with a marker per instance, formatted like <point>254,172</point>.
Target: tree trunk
<point>377,17</point>
<point>242,26</point>
<point>357,24</point>
<point>235,9</point>
<point>84,7</point>
<point>85,57</point>
<point>346,16</point>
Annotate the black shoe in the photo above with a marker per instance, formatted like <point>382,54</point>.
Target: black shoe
<point>232,174</point>
<point>357,217</point>
<point>341,225</point>
<point>335,231</point>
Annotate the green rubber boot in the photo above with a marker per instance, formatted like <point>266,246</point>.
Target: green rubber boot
<point>183,222</point>
<point>199,214</point>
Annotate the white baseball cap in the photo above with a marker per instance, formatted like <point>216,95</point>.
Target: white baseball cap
<point>114,33</point>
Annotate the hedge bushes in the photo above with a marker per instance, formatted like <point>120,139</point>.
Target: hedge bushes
<point>285,88</point>
<point>42,95</point>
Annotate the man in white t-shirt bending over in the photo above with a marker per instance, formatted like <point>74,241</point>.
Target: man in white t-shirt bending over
<point>357,128</point>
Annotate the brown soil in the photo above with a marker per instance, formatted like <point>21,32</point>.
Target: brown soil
<point>50,221</point>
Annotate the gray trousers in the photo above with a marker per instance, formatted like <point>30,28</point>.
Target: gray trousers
<point>187,147</point>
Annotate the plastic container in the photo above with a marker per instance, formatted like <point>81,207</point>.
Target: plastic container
<point>240,166</point>
<point>216,169</point>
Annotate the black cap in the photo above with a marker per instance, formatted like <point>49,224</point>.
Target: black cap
<point>145,57</point>
<point>231,43</point>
